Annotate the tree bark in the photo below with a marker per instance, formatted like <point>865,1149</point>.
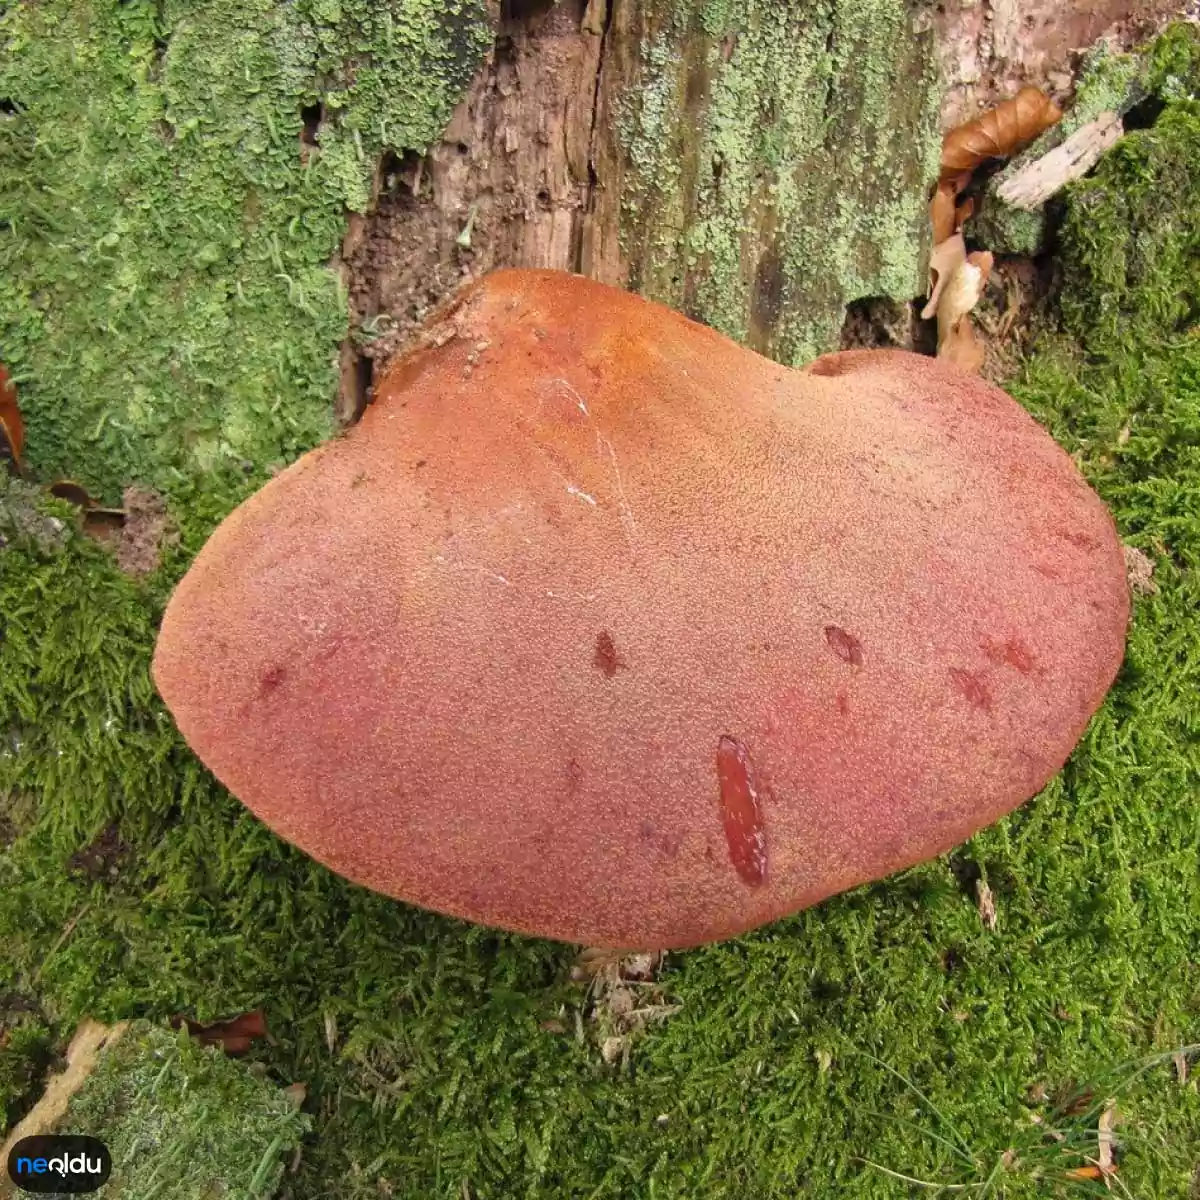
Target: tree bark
<point>756,164</point>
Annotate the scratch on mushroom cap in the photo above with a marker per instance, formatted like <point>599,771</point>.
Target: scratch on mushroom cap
<point>618,633</point>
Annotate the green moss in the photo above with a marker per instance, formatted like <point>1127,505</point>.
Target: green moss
<point>1110,81</point>
<point>182,1120</point>
<point>168,309</point>
<point>779,156</point>
<point>1131,238</point>
<point>25,1053</point>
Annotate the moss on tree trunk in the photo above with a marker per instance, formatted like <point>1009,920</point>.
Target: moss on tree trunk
<point>776,159</point>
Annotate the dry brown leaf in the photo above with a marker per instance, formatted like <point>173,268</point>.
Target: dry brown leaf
<point>942,213</point>
<point>963,347</point>
<point>945,260</point>
<point>1072,1104</point>
<point>999,132</point>
<point>1084,1173</point>
<point>12,428</point>
<point>960,295</point>
<point>233,1036</point>
<point>957,181</point>
<point>985,903</point>
<point>984,260</point>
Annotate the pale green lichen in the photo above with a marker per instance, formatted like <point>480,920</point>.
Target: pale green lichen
<point>780,156</point>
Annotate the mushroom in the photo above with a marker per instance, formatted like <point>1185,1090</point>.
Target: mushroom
<point>600,627</point>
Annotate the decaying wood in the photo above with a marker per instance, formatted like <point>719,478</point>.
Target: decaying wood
<point>1032,186</point>
<point>90,1039</point>
<point>509,183</point>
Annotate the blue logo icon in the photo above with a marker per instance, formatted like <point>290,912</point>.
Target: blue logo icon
<point>60,1163</point>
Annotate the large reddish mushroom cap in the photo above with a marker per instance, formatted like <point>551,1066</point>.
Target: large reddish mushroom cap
<point>602,628</point>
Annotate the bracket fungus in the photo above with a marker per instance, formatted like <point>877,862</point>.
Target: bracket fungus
<point>600,627</point>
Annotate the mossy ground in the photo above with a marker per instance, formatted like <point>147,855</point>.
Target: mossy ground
<point>184,1120</point>
<point>886,1025</point>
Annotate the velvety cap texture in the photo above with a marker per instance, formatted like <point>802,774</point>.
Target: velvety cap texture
<point>601,627</point>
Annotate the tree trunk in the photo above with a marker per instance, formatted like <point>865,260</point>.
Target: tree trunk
<point>756,164</point>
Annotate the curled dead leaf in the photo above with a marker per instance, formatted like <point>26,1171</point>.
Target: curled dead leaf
<point>1104,1137</point>
<point>999,132</point>
<point>945,260</point>
<point>942,213</point>
<point>12,428</point>
<point>984,260</point>
<point>962,292</point>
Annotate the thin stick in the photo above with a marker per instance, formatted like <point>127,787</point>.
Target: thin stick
<point>62,937</point>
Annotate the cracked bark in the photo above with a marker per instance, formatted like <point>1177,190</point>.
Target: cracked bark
<point>511,183</point>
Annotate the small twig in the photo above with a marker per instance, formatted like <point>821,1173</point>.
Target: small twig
<point>62,937</point>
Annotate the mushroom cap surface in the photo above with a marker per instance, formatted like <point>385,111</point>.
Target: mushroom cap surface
<point>601,627</point>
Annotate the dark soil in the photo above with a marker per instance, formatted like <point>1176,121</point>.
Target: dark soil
<point>103,859</point>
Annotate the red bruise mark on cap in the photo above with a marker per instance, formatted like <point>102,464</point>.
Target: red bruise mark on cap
<point>1012,653</point>
<point>606,657</point>
<point>972,688</point>
<point>271,678</point>
<point>741,812</point>
<point>1084,541</point>
<point>574,777</point>
<point>845,645</point>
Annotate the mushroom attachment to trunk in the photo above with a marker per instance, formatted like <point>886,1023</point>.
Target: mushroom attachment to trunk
<point>601,627</point>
